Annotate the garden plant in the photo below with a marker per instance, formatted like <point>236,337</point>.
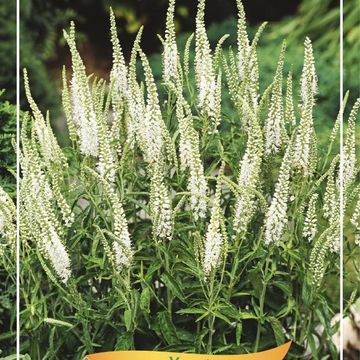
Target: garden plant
<point>7,227</point>
<point>168,224</point>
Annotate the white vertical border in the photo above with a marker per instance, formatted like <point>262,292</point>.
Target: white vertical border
<point>341,181</point>
<point>17,179</point>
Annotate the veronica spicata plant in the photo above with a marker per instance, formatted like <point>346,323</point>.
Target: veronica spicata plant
<point>168,224</point>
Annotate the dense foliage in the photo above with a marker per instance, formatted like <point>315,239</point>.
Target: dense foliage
<point>7,227</point>
<point>173,223</point>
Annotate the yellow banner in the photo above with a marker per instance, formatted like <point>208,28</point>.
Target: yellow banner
<point>278,353</point>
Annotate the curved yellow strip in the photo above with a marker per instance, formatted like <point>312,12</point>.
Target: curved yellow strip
<point>278,353</point>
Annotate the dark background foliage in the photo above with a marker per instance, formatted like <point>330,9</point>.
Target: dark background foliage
<point>43,50</point>
<point>7,264</point>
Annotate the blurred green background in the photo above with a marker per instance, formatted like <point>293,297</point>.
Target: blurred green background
<point>43,51</point>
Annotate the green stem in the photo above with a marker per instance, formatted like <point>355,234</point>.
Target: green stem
<point>211,318</point>
<point>211,321</point>
<point>262,302</point>
<point>167,269</point>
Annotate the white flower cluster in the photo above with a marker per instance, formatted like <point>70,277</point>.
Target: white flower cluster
<point>355,219</point>
<point>83,112</point>
<point>138,124</point>
<point>7,223</point>
<point>350,169</point>
<point>318,255</point>
<point>190,158</point>
<point>146,126</point>
<point>118,73</point>
<point>215,238</point>
<point>309,80</point>
<point>122,247</point>
<point>122,252</point>
<point>276,218</point>
<point>243,42</point>
<point>331,207</point>
<point>136,127</point>
<point>38,209</point>
<point>53,158</point>
<point>208,83</point>
<point>349,162</point>
<point>304,157</point>
<point>87,115</point>
<point>275,132</point>
<point>156,141</point>
<point>310,224</point>
<point>250,167</point>
<point>160,205</point>
<point>290,116</point>
<point>49,146</point>
<point>247,70</point>
<point>119,84</point>
<point>170,54</point>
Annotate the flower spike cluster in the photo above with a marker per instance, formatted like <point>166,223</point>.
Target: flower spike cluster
<point>276,218</point>
<point>170,54</point>
<point>246,71</point>
<point>349,163</point>
<point>290,116</point>
<point>318,256</point>
<point>250,167</point>
<point>135,102</point>
<point>208,83</point>
<point>215,238</point>
<point>123,138</point>
<point>7,223</point>
<point>305,136</point>
<point>190,158</point>
<point>243,42</point>
<point>49,146</point>
<point>38,209</point>
<point>160,204</point>
<point>89,114</point>
<point>275,132</point>
<point>331,207</point>
<point>52,157</point>
<point>355,219</point>
<point>83,112</point>
<point>122,252</point>
<point>310,224</point>
<point>118,81</point>
<point>147,127</point>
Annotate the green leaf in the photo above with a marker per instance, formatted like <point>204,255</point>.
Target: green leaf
<point>154,266</point>
<point>306,291</point>
<point>238,333</point>
<point>256,281</point>
<point>124,341</point>
<point>56,322</point>
<point>246,315</point>
<point>173,286</point>
<point>283,286</point>
<point>222,317</point>
<point>128,319</point>
<point>313,346</point>
<point>277,329</point>
<point>145,300</point>
<point>191,311</point>
<point>199,339</point>
<point>167,328</point>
